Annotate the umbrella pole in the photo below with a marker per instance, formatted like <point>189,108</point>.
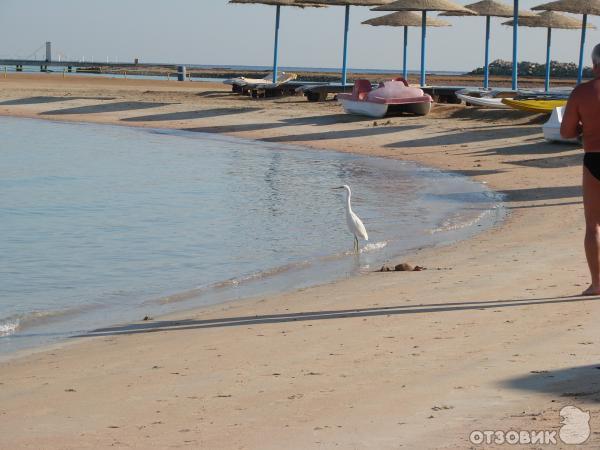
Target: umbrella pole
<point>582,49</point>
<point>423,40</point>
<point>345,56</point>
<point>515,68</point>
<point>404,68</point>
<point>276,46</point>
<point>548,45</point>
<point>486,75</point>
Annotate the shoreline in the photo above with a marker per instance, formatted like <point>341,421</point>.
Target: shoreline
<point>285,279</point>
<point>377,361</point>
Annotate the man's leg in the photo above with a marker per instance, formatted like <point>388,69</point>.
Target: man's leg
<point>591,204</point>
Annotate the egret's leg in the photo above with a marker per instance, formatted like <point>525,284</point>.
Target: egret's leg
<point>356,244</point>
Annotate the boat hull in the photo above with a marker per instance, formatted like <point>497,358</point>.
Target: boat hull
<point>535,106</point>
<point>552,128</point>
<point>362,108</point>
<point>380,110</point>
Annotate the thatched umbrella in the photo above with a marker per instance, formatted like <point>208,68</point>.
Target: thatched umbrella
<point>550,20</point>
<point>404,19</point>
<point>488,9</point>
<point>424,6</point>
<point>347,4</point>
<point>278,4</point>
<point>585,7</point>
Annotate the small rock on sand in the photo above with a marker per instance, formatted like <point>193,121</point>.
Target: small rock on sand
<point>402,267</point>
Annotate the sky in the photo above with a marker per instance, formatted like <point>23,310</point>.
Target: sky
<point>214,32</point>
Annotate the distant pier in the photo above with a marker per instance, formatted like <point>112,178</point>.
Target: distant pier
<point>20,63</point>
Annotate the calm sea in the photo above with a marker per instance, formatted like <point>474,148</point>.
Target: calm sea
<point>104,224</point>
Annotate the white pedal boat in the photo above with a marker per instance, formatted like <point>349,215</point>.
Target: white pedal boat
<point>552,127</point>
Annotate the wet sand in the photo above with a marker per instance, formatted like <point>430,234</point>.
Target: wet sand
<point>493,336</point>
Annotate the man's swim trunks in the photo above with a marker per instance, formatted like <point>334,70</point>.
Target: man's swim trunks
<point>591,161</point>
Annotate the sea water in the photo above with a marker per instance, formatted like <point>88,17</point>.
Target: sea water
<point>104,224</point>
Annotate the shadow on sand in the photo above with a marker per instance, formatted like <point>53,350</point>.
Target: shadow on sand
<point>38,100</point>
<point>188,324</point>
<point>214,94</point>
<point>496,115</point>
<point>327,120</point>
<point>190,115</point>
<point>543,193</point>
<point>519,195</point>
<point>343,134</point>
<point>330,119</point>
<point>467,137</point>
<point>106,107</point>
<point>538,147</point>
<point>554,162</point>
<point>338,134</point>
<point>579,383</point>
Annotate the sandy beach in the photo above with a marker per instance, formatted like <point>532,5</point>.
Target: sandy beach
<point>492,336</point>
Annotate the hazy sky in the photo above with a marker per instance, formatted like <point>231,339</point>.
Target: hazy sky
<point>213,32</point>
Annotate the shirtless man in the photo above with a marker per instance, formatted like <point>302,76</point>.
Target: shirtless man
<point>582,115</point>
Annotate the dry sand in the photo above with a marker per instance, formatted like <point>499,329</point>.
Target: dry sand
<point>496,340</point>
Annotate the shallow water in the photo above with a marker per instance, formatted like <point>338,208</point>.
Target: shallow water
<point>105,224</point>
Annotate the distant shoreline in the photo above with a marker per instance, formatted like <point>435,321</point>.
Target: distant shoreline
<point>318,75</point>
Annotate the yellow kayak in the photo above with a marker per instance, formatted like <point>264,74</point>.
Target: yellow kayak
<point>534,106</point>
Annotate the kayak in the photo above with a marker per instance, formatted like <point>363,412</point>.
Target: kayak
<point>487,98</point>
<point>535,105</point>
<point>485,102</point>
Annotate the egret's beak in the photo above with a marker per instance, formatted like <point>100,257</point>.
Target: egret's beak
<point>339,187</point>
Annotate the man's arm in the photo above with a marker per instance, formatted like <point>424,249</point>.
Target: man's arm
<point>571,123</point>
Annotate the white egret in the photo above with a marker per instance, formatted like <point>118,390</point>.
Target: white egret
<point>355,225</point>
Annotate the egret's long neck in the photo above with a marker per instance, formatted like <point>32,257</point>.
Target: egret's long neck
<point>348,204</point>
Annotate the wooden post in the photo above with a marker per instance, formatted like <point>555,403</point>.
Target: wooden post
<point>5,72</point>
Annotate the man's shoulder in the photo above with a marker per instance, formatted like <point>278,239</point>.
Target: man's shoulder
<point>584,88</point>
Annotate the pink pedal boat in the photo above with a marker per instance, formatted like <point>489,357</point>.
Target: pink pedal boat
<point>389,97</point>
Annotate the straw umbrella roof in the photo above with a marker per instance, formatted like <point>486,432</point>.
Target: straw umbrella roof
<point>404,19</point>
<point>591,7</point>
<point>425,5</point>
<point>550,19</point>
<point>346,2</point>
<point>300,4</point>
<point>490,8</point>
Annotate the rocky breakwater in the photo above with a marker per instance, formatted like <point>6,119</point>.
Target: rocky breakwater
<point>526,68</point>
